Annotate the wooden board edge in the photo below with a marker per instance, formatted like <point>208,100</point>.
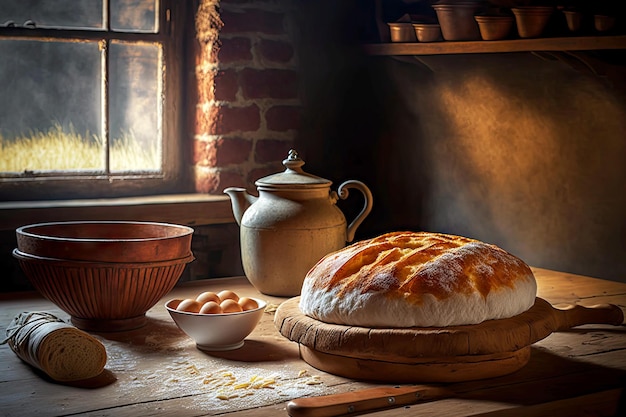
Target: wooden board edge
<point>457,369</point>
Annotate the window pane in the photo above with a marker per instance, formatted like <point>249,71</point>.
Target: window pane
<point>50,107</point>
<point>134,15</point>
<point>75,14</point>
<point>135,106</point>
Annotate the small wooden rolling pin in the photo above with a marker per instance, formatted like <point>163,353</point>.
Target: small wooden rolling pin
<point>364,400</point>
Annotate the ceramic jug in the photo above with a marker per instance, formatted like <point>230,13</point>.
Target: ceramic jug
<point>291,225</point>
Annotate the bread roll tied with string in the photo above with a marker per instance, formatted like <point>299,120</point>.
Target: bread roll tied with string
<point>57,348</point>
<point>417,279</point>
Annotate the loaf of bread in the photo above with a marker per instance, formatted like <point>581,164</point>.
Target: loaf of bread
<point>59,349</point>
<point>417,279</point>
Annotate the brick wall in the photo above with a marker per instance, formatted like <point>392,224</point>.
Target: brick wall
<point>245,106</point>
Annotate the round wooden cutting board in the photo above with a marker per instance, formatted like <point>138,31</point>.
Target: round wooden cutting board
<point>434,354</point>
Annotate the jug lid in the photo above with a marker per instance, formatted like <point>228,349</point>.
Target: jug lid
<point>293,176</point>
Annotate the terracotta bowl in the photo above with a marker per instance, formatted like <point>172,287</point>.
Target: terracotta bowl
<point>494,27</point>
<point>532,20</point>
<point>427,32</point>
<point>215,332</point>
<point>105,275</point>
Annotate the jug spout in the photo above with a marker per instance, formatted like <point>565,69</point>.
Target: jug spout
<point>240,200</point>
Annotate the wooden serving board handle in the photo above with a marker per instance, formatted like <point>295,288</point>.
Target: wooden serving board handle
<point>364,400</point>
<point>576,315</point>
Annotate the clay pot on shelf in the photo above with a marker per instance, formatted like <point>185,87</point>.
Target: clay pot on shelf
<point>457,20</point>
<point>401,32</point>
<point>494,27</point>
<point>532,20</point>
<point>603,23</point>
<point>574,20</point>
<point>427,32</point>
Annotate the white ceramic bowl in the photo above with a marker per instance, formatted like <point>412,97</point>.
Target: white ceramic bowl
<point>214,332</point>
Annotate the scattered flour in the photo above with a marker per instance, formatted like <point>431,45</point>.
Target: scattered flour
<point>205,382</point>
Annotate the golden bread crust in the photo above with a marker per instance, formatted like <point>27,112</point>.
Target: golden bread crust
<point>419,267</point>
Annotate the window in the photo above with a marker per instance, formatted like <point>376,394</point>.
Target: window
<point>90,98</point>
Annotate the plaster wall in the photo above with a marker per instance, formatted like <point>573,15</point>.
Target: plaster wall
<point>525,153</point>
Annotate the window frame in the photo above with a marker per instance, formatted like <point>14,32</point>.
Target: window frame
<point>171,21</point>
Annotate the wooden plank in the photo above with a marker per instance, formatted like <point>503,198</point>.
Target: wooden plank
<point>582,43</point>
<point>605,403</point>
<point>597,404</point>
<point>571,288</point>
<point>187,209</point>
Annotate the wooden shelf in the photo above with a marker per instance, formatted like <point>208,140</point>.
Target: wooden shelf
<point>188,209</point>
<point>573,43</point>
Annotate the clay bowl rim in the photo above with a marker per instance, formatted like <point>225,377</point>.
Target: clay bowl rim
<point>106,241</point>
<point>23,230</point>
<point>488,18</point>
<point>429,26</point>
<point>28,257</point>
<point>533,10</point>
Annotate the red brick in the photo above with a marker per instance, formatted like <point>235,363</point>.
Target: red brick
<point>229,151</point>
<point>258,21</point>
<point>230,178</point>
<point>215,182</point>
<point>191,99</point>
<point>196,51</point>
<point>207,182</point>
<point>235,50</point>
<point>203,123</point>
<point>225,119</point>
<point>282,118</point>
<point>270,150</point>
<point>226,85</point>
<point>203,155</point>
<point>204,89</point>
<point>276,51</point>
<point>268,83</point>
<point>206,52</point>
<point>261,172</point>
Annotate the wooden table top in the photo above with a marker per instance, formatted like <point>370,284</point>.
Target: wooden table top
<point>157,370</point>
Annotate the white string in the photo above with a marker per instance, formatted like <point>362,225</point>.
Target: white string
<point>23,319</point>
<point>26,332</point>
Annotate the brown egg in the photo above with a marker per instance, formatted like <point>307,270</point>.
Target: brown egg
<point>211,307</point>
<point>189,305</point>
<point>230,306</point>
<point>247,303</point>
<point>228,295</point>
<point>207,296</point>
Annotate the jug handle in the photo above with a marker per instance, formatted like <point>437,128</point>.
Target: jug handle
<point>342,192</point>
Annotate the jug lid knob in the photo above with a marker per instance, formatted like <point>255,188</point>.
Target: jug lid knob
<point>293,162</point>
